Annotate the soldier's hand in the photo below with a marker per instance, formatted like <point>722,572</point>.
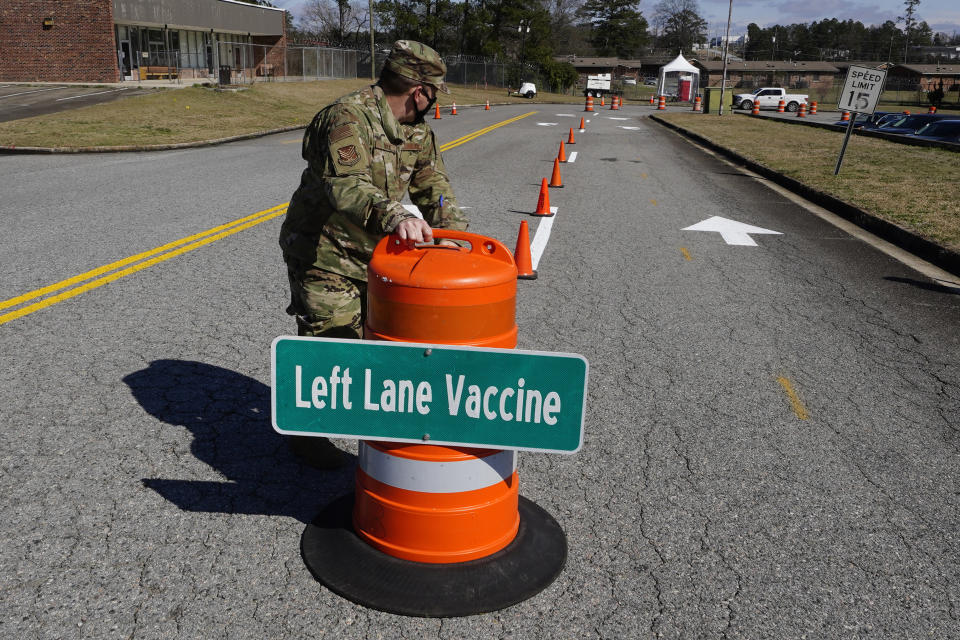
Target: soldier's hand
<point>414,231</point>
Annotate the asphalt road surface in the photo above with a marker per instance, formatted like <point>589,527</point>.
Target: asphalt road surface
<point>23,101</point>
<point>772,431</point>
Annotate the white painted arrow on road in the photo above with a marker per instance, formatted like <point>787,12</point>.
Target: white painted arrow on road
<point>731,231</point>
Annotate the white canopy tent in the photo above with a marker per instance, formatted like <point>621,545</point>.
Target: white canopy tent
<point>679,68</point>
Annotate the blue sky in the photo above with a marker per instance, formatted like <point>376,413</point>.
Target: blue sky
<point>941,15</point>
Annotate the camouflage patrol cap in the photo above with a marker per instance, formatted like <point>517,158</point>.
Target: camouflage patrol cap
<point>418,62</point>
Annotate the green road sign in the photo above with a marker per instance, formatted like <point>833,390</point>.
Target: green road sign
<point>437,394</point>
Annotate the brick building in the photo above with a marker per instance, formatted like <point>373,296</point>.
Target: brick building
<point>750,74</point>
<point>113,40</point>
<point>618,67</point>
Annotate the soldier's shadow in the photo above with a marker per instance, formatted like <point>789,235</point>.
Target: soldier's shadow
<point>229,416</point>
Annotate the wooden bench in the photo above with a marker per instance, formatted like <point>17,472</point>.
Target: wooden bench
<point>158,73</point>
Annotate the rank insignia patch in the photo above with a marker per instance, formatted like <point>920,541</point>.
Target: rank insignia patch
<point>348,155</point>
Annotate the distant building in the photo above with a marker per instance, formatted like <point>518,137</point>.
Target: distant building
<point>113,40</point>
<point>636,69</point>
<point>924,77</point>
<point>750,74</point>
<point>945,53</point>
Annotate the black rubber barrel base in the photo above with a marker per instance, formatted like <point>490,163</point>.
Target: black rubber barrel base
<point>350,567</point>
<point>528,276</point>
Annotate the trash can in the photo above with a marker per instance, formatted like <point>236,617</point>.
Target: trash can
<point>226,73</point>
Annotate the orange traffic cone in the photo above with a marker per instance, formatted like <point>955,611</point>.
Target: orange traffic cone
<point>571,140</point>
<point>583,125</point>
<point>453,111</point>
<point>555,181</point>
<point>522,254</point>
<point>543,203</point>
<point>602,103</point>
<point>562,156</point>
<point>906,113</point>
<point>653,100</point>
<point>487,108</point>
<point>932,110</point>
<point>436,113</point>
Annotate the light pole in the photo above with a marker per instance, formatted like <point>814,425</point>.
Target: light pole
<point>726,47</point>
<point>523,30</point>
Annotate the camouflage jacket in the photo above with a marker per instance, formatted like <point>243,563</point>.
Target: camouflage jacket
<point>361,162</point>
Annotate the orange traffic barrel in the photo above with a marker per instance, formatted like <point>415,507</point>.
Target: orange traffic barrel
<point>436,530</point>
<point>697,104</point>
<point>589,105</point>
<point>436,504</point>
<point>813,108</point>
<point>443,294</point>
<point>781,106</point>
<point>845,116</point>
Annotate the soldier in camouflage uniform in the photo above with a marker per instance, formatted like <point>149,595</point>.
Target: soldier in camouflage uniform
<point>364,153</point>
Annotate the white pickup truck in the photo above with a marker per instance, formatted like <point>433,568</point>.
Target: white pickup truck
<point>769,98</point>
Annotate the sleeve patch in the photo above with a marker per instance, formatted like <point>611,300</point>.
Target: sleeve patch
<point>348,155</point>
<point>341,132</point>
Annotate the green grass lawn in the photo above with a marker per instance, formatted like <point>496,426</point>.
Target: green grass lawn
<point>915,187</point>
<point>196,113</point>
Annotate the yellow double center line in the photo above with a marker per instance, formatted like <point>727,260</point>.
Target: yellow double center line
<point>95,278</point>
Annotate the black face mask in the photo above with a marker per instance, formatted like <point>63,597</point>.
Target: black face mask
<point>422,114</point>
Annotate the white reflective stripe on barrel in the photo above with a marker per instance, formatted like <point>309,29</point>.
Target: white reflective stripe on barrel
<point>436,477</point>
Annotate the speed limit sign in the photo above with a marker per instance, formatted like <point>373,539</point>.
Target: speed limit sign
<point>862,89</point>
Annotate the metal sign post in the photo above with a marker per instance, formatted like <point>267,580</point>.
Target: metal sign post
<point>860,94</point>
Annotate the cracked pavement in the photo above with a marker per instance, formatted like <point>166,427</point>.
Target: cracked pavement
<point>146,496</point>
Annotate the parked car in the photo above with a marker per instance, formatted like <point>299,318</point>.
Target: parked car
<point>882,121</point>
<point>769,98</point>
<point>650,82</point>
<point>942,130</point>
<point>909,124</point>
<point>629,80</point>
<point>867,120</point>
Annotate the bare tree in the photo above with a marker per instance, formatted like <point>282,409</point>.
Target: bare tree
<point>679,24</point>
<point>339,23</point>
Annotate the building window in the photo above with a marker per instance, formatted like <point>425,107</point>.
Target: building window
<point>816,77</point>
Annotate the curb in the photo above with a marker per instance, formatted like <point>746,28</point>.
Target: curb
<point>946,259</point>
<point>150,147</point>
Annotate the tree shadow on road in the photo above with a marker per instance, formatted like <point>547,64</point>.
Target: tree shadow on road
<point>229,416</point>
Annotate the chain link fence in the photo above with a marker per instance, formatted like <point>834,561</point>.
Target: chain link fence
<point>232,63</point>
<point>237,63</point>
<point>898,91</point>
